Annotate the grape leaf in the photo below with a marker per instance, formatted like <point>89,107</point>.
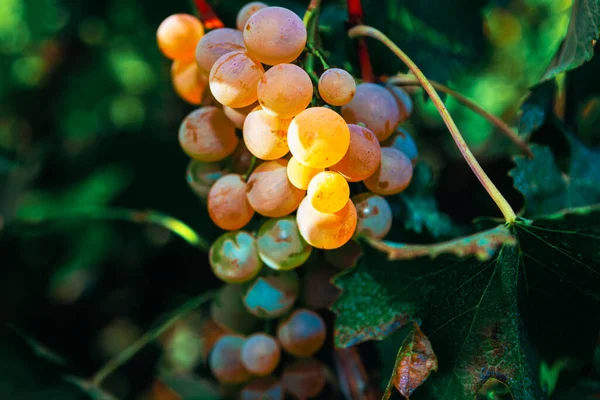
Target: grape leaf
<point>477,312</point>
<point>547,189</point>
<point>578,46</point>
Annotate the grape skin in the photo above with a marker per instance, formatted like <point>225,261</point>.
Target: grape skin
<point>260,354</point>
<point>280,245</point>
<point>187,81</point>
<point>215,44</point>
<point>265,136</point>
<point>285,90</point>
<point>267,388</point>
<point>323,230</point>
<point>246,12</point>
<point>228,206</point>
<point>405,103</point>
<point>305,379</point>
<point>234,78</point>
<point>374,215</point>
<point>403,141</point>
<point>238,115</point>
<point>225,360</point>
<point>363,155</point>
<point>328,192</point>
<point>393,175</point>
<point>299,174</point>
<point>201,176</point>
<point>234,257</point>
<point>302,334</point>
<point>178,35</point>
<point>273,294</point>
<point>207,135</point>
<point>229,311</point>
<point>337,87</point>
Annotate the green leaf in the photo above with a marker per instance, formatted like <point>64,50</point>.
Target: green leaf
<point>547,189</point>
<point>578,46</point>
<point>477,312</point>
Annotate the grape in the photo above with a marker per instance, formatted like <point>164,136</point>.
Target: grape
<point>374,215</point>
<point>187,81</point>
<point>344,257</point>
<point>238,115</point>
<point>201,176</point>
<point>302,334</point>
<point>405,103</point>
<point>403,141</point>
<point>285,90</point>
<point>225,360</point>
<point>246,12</point>
<point>280,244</point>
<point>233,79</point>
<point>228,205</point>
<point>261,354</point>
<point>234,257</point>
<point>215,44</point>
<point>324,230</point>
<point>229,311</point>
<point>270,192</point>
<point>328,192</point>
<point>300,175</point>
<point>178,35</point>
<point>318,137</point>
<point>267,388</point>
<point>393,175</point>
<point>206,134</point>
<point>363,155</point>
<point>275,35</point>
<point>337,87</point>
<point>317,291</point>
<point>375,107</point>
<point>265,135</point>
<point>305,379</point>
<point>241,159</point>
<point>272,294</point>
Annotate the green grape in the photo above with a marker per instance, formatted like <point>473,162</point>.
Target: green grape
<point>201,176</point>
<point>280,244</point>
<point>234,257</point>
<point>267,388</point>
<point>225,360</point>
<point>303,333</point>
<point>272,294</point>
<point>374,215</point>
<point>228,310</point>
<point>305,379</point>
<point>261,354</point>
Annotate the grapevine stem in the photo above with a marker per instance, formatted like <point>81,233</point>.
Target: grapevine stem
<point>505,208</point>
<point>207,15</point>
<point>311,22</point>
<point>355,17</point>
<point>494,120</point>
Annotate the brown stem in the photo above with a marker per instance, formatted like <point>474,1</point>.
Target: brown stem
<point>207,15</point>
<point>355,17</point>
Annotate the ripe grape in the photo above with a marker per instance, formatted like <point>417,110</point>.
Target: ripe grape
<point>403,141</point>
<point>326,230</point>
<point>261,354</point>
<point>374,215</point>
<point>265,135</point>
<point>272,294</point>
<point>280,244</point>
<point>285,90</point>
<point>202,175</point>
<point>246,12</point>
<point>228,206</point>
<point>233,79</point>
<point>363,155</point>
<point>302,334</point>
<point>275,35</point>
<point>393,175</point>
<point>405,103</point>
<point>178,35</point>
<point>238,115</point>
<point>337,87</point>
<point>299,174</point>
<point>206,134</point>
<point>215,44</point>
<point>241,159</point>
<point>234,257</point>
<point>304,379</point>
<point>225,360</point>
<point>187,81</point>
<point>328,192</point>
<point>228,310</point>
<point>318,137</point>
<point>267,388</point>
<point>270,192</point>
<point>375,107</point>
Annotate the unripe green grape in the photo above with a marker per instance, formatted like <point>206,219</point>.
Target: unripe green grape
<point>304,379</point>
<point>267,388</point>
<point>272,294</point>
<point>261,354</point>
<point>280,244</point>
<point>225,360</point>
<point>202,175</point>
<point>229,311</point>
<point>303,333</point>
<point>234,257</point>
<point>374,215</point>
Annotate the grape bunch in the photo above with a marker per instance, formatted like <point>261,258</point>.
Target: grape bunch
<point>271,139</point>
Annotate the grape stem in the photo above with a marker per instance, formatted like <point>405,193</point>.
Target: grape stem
<point>311,22</point>
<point>250,168</point>
<point>503,205</point>
<point>404,80</point>
<point>355,17</point>
<point>207,15</point>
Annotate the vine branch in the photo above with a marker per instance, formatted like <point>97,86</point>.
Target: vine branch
<point>355,18</point>
<point>311,22</point>
<point>486,182</point>
<point>208,15</point>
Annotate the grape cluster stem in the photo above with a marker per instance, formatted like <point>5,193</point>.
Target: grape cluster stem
<point>355,17</point>
<point>484,179</point>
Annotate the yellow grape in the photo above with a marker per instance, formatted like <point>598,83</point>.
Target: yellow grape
<point>285,90</point>
<point>207,135</point>
<point>265,135</point>
<point>299,174</point>
<point>270,192</point>
<point>318,137</point>
<point>374,215</point>
<point>178,35</point>
<point>363,155</point>
<point>375,107</point>
<point>188,82</point>
<point>393,175</point>
<point>326,230</point>
<point>405,103</point>
<point>238,115</point>
<point>233,79</point>
<point>215,44</point>
<point>246,12</point>
<point>275,35</point>
<point>337,87</point>
<point>328,192</point>
<point>228,206</point>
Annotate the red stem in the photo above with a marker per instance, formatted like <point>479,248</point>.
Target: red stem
<point>207,15</point>
<point>355,17</point>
